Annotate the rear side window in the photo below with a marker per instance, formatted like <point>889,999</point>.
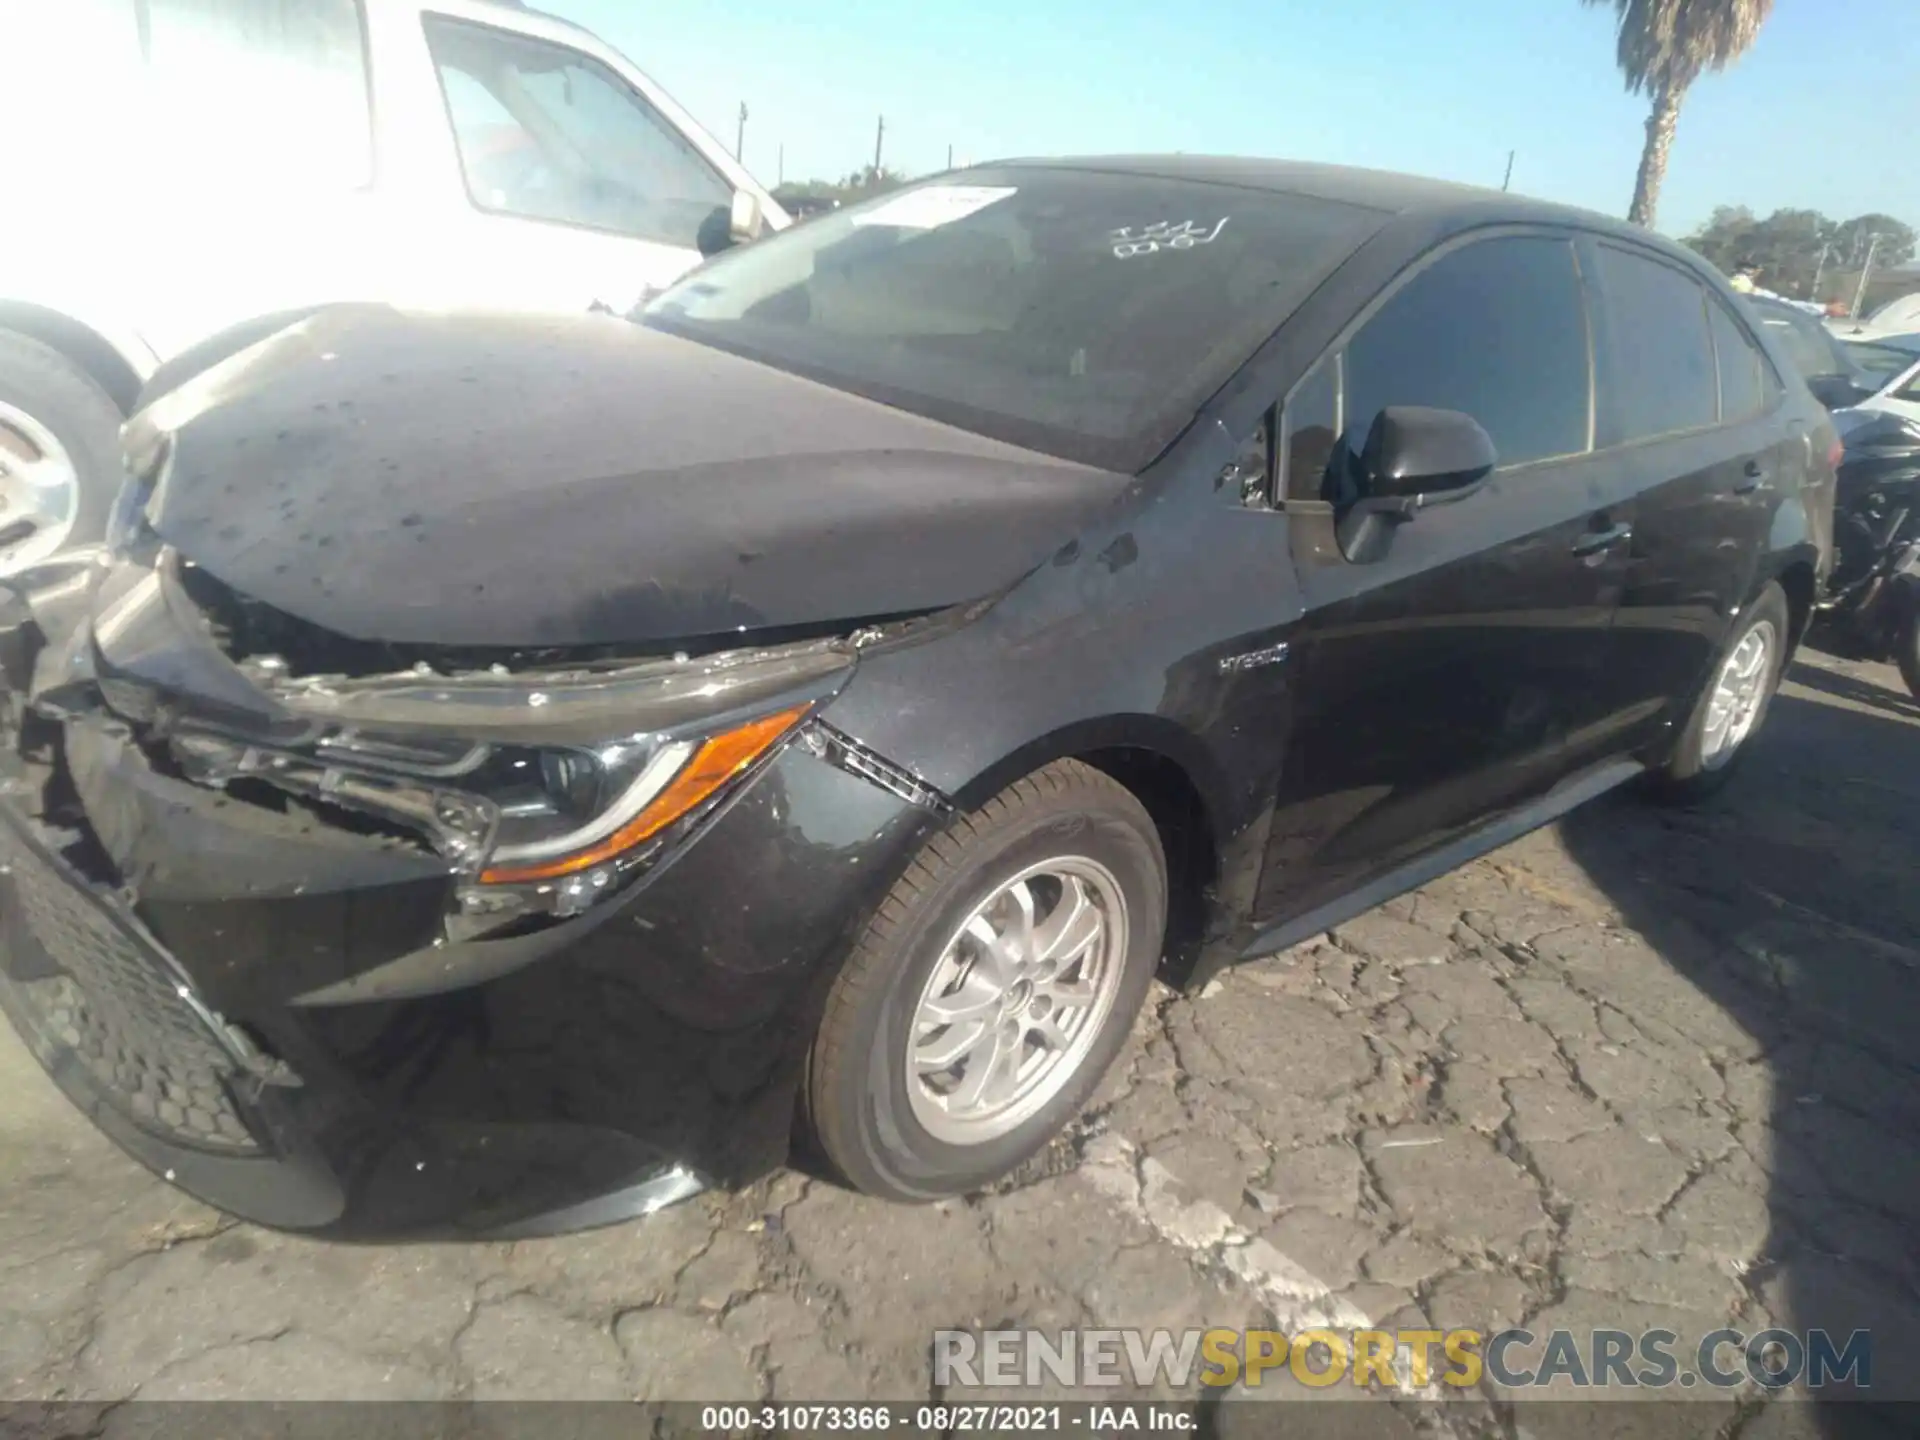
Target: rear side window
<point>1661,378</point>
<point>1742,386</point>
<point>251,93</point>
<point>1497,329</point>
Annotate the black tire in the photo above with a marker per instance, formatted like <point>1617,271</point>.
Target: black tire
<point>1686,778</point>
<point>83,418</point>
<point>855,1106</point>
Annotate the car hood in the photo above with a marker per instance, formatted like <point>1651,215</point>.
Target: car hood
<point>537,481</point>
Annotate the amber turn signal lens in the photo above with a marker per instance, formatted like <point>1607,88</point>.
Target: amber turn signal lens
<point>717,761</point>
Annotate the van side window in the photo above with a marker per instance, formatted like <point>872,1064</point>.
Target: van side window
<point>252,93</point>
<point>547,133</point>
<point>1659,377</point>
<point>1741,366</point>
<point>1497,329</point>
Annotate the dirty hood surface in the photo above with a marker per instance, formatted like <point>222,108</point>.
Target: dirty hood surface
<point>521,481</point>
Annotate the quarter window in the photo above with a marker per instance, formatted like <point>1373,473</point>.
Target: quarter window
<point>1497,329</point>
<point>547,133</point>
<point>1312,426</point>
<point>1661,378</point>
<point>1742,389</point>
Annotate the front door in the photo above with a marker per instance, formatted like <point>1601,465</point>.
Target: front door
<point>579,190</point>
<point>1439,684</point>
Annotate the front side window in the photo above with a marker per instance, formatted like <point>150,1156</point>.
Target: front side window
<point>546,133</point>
<point>1661,378</point>
<point>1742,386</point>
<point>1497,329</point>
<point>250,94</point>
<point>1084,313</point>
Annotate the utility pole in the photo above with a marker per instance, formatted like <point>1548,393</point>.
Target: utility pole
<point>1509,180</point>
<point>879,139</point>
<point>949,157</point>
<point>740,135</point>
<point>1820,270</point>
<point>1866,270</point>
<point>780,169</point>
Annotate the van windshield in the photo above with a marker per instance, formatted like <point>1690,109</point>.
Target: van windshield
<point>1087,314</point>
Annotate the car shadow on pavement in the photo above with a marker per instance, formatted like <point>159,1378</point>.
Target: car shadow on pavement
<point>1861,692</point>
<point>1790,901</point>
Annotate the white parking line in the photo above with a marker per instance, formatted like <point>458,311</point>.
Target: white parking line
<point>1298,1299</point>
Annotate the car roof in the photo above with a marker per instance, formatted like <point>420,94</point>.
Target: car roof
<point>1387,191</point>
<point>1420,209</point>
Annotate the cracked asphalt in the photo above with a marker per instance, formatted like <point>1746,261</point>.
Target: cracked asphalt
<point>1644,1068</point>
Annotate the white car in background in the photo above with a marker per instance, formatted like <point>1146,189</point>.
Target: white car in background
<point>1900,315</point>
<point>175,169</point>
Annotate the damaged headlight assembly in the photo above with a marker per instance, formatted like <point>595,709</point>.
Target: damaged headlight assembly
<point>544,792</point>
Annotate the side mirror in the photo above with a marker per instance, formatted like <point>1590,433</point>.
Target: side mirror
<point>1413,457</point>
<point>746,221</point>
<point>1417,456</point>
<point>731,225</point>
<point>1837,392</point>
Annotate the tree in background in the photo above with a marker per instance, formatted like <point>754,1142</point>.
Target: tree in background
<point>1793,247</point>
<point>857,185</point>
<point>1664,46</point>
<point>1853,239</point>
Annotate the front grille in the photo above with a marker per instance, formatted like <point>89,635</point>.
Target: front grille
<point>120,1013</point>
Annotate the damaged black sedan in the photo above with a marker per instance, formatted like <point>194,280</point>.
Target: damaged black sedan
<point>507,774</point>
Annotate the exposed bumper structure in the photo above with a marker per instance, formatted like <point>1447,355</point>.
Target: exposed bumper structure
<point>278,1016</point>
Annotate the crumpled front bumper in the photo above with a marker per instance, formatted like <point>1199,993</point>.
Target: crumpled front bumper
<point>271,1015</point>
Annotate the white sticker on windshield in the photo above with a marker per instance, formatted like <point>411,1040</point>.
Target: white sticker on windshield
<point>1167,235</point>
<point>934,205</point>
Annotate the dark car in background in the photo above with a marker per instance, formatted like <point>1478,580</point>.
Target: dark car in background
<point>1833,371</point>
<point>510,773</point>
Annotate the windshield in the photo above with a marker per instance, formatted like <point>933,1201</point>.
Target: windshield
<point>1081,313</point>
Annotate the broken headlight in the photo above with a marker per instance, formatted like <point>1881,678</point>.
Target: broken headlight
<point>543,792</point>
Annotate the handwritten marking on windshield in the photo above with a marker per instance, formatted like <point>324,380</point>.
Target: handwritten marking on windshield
<point>1166,235</point>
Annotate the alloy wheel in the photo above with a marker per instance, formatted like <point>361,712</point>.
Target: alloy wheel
<point>1739,693</point>
<point>1015,1001</point>
<point>39,491</point>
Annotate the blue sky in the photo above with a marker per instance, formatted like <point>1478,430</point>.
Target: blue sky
<point>1823,112</point>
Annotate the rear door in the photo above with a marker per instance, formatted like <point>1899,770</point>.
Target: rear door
<point>1695,418</point>
<point>1442,682</point>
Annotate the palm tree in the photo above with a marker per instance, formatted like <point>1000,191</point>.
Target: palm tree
<point>1664,47</point>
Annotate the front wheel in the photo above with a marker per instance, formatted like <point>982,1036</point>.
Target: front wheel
<point>1733,705</point>
<point>992,988</point>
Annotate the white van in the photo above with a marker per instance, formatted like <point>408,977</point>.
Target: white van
<point>177,166</point>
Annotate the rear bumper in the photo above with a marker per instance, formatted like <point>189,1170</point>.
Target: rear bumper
<point>297,1046</point>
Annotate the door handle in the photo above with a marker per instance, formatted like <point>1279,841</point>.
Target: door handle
<point>1596,542</point>
<point>1751,474</point>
